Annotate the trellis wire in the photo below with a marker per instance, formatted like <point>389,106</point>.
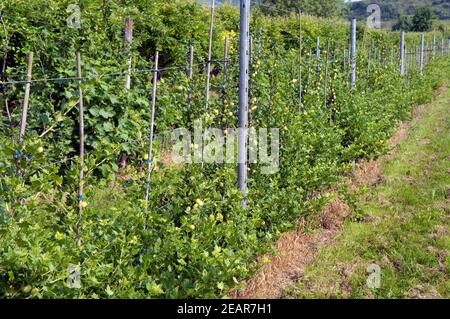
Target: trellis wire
<point>86,78</point>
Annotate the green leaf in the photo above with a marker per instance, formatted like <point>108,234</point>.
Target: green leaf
<point>106,113</point>
<point>154,289</point>
<point>108,127</point>
<point>109,291</point>
<point>113,99</point>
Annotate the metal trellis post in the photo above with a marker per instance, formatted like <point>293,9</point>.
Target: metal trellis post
<point>243,98</point>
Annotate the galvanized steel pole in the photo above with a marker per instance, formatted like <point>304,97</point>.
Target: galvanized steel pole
<point>352,53</point>
<point>402,53</point>
<point>243,97</point>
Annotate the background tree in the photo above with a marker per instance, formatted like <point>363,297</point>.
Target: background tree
<point>422,21</point>
<point>320,8</point>
<point>404,23</point>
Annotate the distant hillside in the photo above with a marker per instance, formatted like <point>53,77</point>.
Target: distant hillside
<point>392,9</point>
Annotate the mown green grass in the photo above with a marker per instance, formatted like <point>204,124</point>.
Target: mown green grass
<point>406,232</point>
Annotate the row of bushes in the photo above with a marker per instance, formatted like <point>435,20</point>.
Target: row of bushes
<point>195,240</point>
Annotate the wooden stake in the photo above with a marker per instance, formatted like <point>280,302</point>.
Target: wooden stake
<point>23,121</point>
<point>128,39</point>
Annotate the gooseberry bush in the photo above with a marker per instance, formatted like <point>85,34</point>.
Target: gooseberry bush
<point>195,240</point>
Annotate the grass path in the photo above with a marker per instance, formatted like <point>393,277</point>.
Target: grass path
<point>405,229</point>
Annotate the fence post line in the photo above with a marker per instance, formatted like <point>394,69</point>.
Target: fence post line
<point>406,61</point>
<point>333,63</point>
<point>391,54</point>
<point>352,61</point>
<point>434,46</point>
<point>152,128</point>
<point>422,44</point>
<point>344,60</point>
<point>208,63</point>
<point>442,46</point>
<point>250,78</point>
<point>191,87</point>
<point>251,50</point>
<point>326,76</point>
<point>208,70</point>
<point>225,66</point>
<point>128,39</point>
<point>81,133</point>
<point>26,99</point>
<point>416,57</point>
<point>352,53</point>
<point>308,77</point>
<point>379,57</point>
<point>243,98</point>
<point>402,53</point>
<point>300,61</point>
<point>317,58</point>
<point>225,63</point>
<point>369,60</point>
<point>375,56</point>
<point>224,99</point>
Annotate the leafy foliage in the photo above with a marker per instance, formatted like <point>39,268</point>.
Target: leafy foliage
<point>195,240</point>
